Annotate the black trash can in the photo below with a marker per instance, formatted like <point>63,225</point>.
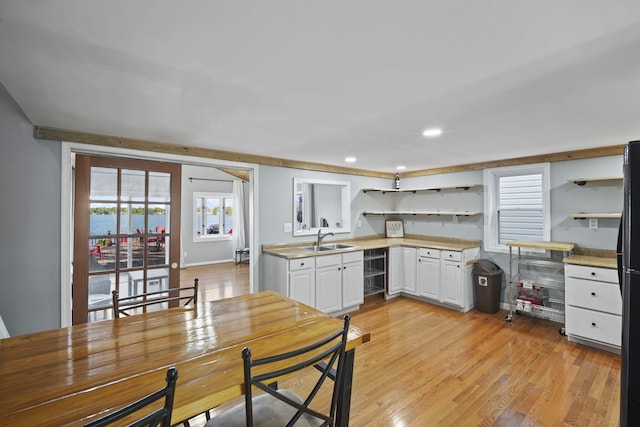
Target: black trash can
<point>487,277</point>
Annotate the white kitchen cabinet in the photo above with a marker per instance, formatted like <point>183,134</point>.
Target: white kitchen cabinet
<point>302,282</point>
<point>445,276</point>
<point>321,282</point>
<point>452,282</point>
<point>428,273</point>
<point>329,283</point>
<point>352,279</point>
<point>396,269</point>
<point>402,270</point>
<point>594,306</point>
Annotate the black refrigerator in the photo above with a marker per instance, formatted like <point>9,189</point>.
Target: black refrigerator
<point>629,272</point>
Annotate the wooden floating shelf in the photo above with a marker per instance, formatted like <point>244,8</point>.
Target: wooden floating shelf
<point>421,212</point>
<point>595,215</point>
<point>415,190</point>
<point>583,181</point>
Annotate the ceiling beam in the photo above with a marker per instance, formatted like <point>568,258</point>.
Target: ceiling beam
<point>611,150</point>
<point>185,150</point>
<point>42,132</point>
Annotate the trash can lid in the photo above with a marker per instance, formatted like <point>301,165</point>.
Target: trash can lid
<point>487,267</point>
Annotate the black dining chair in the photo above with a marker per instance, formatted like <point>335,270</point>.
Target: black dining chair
<point>159,416</point>
<point>276,408</point>
<point>129,305</point>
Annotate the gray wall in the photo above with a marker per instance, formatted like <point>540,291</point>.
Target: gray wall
<point>30,217</point>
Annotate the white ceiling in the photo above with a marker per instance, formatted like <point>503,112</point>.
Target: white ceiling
<point>318,81</point>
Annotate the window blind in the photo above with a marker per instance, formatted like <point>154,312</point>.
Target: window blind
<point>520,208</point>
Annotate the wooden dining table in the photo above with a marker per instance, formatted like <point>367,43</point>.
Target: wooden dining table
<point>70,376</point>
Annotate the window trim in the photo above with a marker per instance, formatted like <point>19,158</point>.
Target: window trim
<point>491,177</point>
<point>213,237</point>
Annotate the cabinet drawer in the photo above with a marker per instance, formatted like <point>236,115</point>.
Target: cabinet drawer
<point>451,255</point>
<point>428,253</point>
<point>603,327</point>
<point>601,296</point>
<point>327,260</point>
<point>352,256</point>
<point>301,264</point>
<point>592,273</point>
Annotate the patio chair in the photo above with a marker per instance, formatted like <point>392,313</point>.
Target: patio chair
<point>125,306</point>
<point>160,416</point>
<point>285,407</point>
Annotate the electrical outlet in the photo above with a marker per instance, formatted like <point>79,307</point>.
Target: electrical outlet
<point>593,223</point>
<point>185,254</point>
<point>287,227</point>
<point>455,219</point>
<point>359,223</point>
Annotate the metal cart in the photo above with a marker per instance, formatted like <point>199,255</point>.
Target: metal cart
<point>536,279</point>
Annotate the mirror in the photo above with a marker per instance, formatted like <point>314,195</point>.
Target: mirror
<point>321,204</point>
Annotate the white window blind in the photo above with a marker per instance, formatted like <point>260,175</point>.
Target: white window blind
<point>520,208</point>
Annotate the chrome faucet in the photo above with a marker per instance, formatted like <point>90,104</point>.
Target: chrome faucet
<point>322,236</point>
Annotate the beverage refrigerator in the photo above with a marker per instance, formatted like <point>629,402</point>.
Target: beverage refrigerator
<point>629,274</point>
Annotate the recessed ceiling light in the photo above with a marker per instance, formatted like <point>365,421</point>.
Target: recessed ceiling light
<point>401,168</point>
<point>350,159</point>
<point>433,132</point>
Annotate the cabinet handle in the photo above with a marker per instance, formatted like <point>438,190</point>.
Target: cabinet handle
<point>340,268</point>
<point>593,273</point>
<point>301,264</point>
<point>593,294</point>
<point>593,324</point>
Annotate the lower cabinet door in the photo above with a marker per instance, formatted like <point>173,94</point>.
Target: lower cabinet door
<point>328,288</point>
<point>451,282</point>
<point>352,284</point>
<point>429,277</point>
<point>302,286</point>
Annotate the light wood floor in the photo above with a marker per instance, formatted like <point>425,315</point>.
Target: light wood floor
<point>218,281</point>
<point>429,366</point>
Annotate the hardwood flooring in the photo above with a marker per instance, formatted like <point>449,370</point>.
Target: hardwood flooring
<point>430,366</point>
<point>218,281</point>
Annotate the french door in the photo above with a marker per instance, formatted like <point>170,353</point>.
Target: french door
<point>126,231</point>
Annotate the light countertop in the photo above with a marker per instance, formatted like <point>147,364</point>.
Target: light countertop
<point>604,258</point>
<point>294,250</point>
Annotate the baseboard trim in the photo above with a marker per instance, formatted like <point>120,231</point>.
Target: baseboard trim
<point>197,264</point>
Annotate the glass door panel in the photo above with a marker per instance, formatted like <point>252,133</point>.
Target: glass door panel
<point>125,216</point>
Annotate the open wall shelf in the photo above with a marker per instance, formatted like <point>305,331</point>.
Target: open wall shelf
<point>421,212</point>
<point>595,215</point>
<point>415,190</point>
<point>584,181</point>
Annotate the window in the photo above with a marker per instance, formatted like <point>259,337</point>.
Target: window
<point>212,216</point>
<point>516,205</point>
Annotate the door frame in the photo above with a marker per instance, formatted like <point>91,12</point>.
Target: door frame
<point>66,206</point>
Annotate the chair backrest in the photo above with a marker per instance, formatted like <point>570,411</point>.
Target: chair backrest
<point>326,355</point>
<point>124,306</point>
<point>159,416</point>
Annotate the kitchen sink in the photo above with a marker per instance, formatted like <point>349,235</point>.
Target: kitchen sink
<point>327,247</point>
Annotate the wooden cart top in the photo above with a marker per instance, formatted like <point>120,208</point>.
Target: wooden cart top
<point>547,245</point>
